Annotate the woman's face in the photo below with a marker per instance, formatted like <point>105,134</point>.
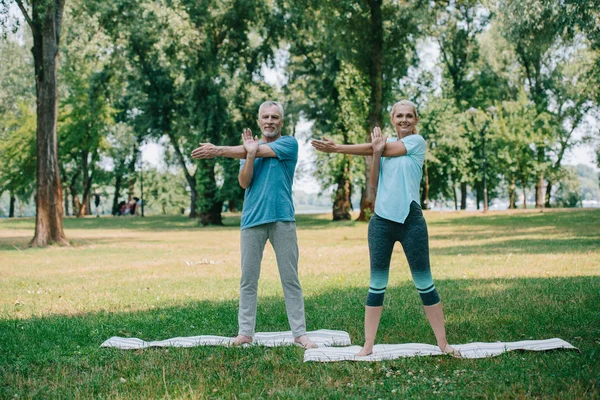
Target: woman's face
<point>404,120</point>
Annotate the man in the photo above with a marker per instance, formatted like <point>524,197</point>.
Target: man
<point>267,173</point>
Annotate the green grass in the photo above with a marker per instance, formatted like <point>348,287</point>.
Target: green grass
<point>503,276</point>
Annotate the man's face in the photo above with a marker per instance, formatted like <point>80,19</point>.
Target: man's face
<point>270,121</point>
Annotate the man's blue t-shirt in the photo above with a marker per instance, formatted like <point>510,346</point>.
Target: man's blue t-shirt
<point>400,180</point>
<point>269,196</point>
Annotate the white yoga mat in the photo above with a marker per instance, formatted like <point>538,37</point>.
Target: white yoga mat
<point>322,337</point>
<point>470,350</point>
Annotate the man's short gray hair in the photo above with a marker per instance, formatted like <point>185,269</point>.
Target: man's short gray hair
<point>270,103</point>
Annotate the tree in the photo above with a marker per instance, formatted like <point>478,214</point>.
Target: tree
<point>44,18</point>
<point>456,27</point>
<point>374,38</point>
<point>86,111</point>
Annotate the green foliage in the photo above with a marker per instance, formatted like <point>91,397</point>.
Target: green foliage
<point>164,192</point>
<point>18,152</point>
<point>569,191</point>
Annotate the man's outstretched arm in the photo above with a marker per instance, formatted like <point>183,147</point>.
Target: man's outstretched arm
<point>209,150</point>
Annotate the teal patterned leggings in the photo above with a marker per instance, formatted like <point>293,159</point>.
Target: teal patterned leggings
<point>412,235</point>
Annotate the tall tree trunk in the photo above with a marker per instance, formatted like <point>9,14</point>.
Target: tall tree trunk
<point>539,186</point>
<point>87,184</point>
<point>11,207</point>
<point>46,23</point>
<point>463,195</point>
<point>74,195</point>
<point>117,195</point>
<point>455,196</point>
<point>539,191</point>
<point>367,200</point>
<point>193,197</point>
<point>477,196</point>
<point>66,199</point>
<point>210,207</point>
<point>512,190</point>
<point>191,179</point>
<point>524,185</point>
<point>341,203</point>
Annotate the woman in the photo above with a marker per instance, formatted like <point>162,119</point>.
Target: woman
<point>396,172</point>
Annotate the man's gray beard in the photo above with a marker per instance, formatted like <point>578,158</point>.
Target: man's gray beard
<point>271,134</point>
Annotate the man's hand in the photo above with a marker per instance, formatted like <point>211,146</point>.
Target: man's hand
<point>377,140</point>
<point>325,145</point>
<point>250,143</point>
<point>205,151</point>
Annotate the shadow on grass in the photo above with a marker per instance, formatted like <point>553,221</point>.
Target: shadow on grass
<point>60,356</point>
<point>524,246</point>
<point>476,310</point>
<point>573,218</point>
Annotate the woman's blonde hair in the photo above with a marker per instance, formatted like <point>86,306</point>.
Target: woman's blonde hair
<point>405,103</point>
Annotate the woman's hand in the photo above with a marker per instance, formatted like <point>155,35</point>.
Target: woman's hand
<point>325,145</point>
<point>378,141</point>
<point>205,151</point>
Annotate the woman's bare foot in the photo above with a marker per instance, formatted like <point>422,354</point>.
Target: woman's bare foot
<point>305,342</point>
<point>241,339</point>
<point>366,350</point>
<point>447,349</point>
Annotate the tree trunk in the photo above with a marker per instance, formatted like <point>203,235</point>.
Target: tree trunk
<point>191,179</point>
<point>477,196</point>
<point>548,194</point>
<point>539,191</point>
<point>115,205</point>
<point>367,200</point>
<point>210,209</point>
<point>11,207</point>
<point>66,199</point>
<point>512,190</point>
<point>524,184</point>
<point>193,197</point>
<point>341,203</point>
<point>463,195</point>
<point>455,196</point>
<point>45,25</point>
<point>74,196</point>
<point>85,208</point>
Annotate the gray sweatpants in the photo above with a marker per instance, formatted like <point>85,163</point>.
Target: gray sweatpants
<point>282,236</point>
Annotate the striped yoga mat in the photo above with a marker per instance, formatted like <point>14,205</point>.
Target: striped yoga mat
<point>470,350</point>
<point>322,337</point>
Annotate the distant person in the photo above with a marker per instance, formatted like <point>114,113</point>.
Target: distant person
<point>267,173</point>
<point>97,201</point>
<point>396,172</point>
<point>132,206</point>
<point>137,206</point>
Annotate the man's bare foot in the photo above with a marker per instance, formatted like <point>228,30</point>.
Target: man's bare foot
<point>241,339</point>
<point>366,350</point>
<point>305,342</point>
<point>450,351</point>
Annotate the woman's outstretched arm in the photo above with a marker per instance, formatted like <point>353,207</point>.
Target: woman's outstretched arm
<point>392,149</point>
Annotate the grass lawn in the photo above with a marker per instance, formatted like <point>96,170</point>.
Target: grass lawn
<point>503,276</point>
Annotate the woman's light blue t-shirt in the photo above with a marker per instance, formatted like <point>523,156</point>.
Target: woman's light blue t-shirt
<point>400,180</point>
<point>269,196</point>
